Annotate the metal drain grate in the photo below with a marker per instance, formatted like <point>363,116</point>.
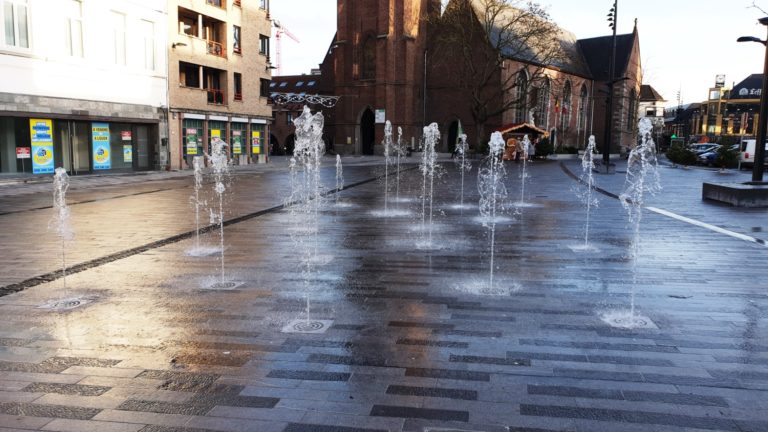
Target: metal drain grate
<point>626,320</point>
<point>66,304</point>
<point>225,286</point>
<point>307,326</point>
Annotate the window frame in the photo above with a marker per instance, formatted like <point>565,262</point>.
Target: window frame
<point>16,44</point>
<point>237,39</point>
<point>237,84</point>
<point>115,32</point>
<point>70,37</point>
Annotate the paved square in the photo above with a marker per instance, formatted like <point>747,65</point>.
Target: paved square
<point>410,339</point>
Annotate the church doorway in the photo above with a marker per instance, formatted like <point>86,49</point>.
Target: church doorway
<point>453,135</point>
<point>367,131</point>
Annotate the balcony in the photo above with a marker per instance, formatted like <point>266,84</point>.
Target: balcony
<point>217,49</point>
<point>215,96</point>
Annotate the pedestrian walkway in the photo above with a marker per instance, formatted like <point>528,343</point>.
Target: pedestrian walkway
<point>381,331</point>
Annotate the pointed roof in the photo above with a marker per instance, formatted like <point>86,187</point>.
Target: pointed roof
<point>749,88</point>
<point>597,52</point>
<point>649,94</point>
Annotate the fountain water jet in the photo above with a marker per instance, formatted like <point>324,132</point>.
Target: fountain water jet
<point>463,163</point>
<point>587,196</point>
<point>490,182</point>
<point>428,166</point>
<point>220,165</point>
<point>60,222</point>
<point>388,144</point>
<point>526,145</point>
<point>642,178</point>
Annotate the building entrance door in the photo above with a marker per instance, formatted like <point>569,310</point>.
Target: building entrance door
<point>142,148</point>
<point>367,131</point>
<point>72,146</point>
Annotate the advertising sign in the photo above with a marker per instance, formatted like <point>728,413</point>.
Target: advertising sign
<point>191,141</point>
<point>23,153</point>
<point>127,153</point>
<point>102,159</point>
<point>125,135</point>
<point>237,142</point>
<point>42,145</point>
<point>256,142</point>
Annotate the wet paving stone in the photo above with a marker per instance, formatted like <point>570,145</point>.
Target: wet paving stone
<point>52,411</point>
<point>468,333</point>
<point>164,407</point>
<point>308,375</point>
<point>304,427</point>
<point>423,413</point>
<point>448,374</point>
<point>55,364</point>
<point>181,381</point>
<point>432,343</point>
<point>435,392</point>
<point>66,389</point>
<point>157,428</point>
<point>508,361</point>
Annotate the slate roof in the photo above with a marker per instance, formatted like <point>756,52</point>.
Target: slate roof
<point>597,52</point>
<point>649,94</point>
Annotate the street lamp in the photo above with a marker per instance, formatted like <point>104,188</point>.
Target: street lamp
<point>612,19</point>
<point>757,168</point>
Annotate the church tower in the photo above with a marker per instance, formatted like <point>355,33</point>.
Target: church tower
<point>377,64</point>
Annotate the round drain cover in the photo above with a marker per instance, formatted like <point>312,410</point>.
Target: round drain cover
<point>224,285</point>
<point>308,326</point>
<point>66,304</point>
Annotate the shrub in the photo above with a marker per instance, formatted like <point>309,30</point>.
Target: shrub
<point>681,154</point>
<point>727,157</point>
<point>544,147</point>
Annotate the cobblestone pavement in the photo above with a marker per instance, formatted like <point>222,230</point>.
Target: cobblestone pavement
<point>408,335</point>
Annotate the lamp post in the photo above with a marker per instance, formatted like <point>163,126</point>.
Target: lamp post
<point>612,16</point>
<point>757,168</point>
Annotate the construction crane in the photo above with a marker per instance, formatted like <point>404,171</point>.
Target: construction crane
<point>281,30</point>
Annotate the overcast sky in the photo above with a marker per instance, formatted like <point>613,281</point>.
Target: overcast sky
<point>684,44</point>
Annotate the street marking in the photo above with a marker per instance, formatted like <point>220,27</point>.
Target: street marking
<point>708,226</point>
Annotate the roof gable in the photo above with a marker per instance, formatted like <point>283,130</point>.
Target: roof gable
<point>597,52</point>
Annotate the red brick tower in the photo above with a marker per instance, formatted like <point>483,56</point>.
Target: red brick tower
<point>377,63</point>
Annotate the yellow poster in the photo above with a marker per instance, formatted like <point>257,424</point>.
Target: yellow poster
<point>215,133</point>
<point>256,142</point>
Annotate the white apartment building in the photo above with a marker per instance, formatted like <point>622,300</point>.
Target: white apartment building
<point>83,85</point>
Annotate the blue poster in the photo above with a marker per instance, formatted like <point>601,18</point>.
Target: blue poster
<point>41,133</point>
<point>102,159</point>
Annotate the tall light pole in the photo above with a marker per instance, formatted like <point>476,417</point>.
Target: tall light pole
<point>612,17</point>
<point>757,168</point>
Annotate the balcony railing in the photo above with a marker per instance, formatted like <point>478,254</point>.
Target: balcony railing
<point>217,49</point>
<point>238,96</point>
<point>215,96</point>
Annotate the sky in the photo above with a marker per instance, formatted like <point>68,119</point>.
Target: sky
<point>684,44</point>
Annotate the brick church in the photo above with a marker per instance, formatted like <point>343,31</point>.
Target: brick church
<point>385,62</point>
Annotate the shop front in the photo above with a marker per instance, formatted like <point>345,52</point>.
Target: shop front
<point>39,145</point>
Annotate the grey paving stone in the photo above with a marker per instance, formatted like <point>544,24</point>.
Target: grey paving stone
<point>303,427</point>
<point>66,389</point>
<point>490,360</point>
<point>438,392</point>
<point>468,333</point>
<point>308,375</point>
<point>424,413</point>
<point>433,343</point>
<point>164,407</point>
<point>52,411</point>
<point>448,374</point>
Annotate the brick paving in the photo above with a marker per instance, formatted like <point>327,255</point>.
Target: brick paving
<point>414,345</point>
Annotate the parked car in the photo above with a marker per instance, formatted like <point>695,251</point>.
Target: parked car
<point>703,147</point>
<point>747,155</point>
<point>709,158</point>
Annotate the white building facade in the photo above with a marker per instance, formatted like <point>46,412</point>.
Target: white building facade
<point>83,85</point>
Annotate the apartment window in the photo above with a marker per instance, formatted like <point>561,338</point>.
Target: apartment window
<point>189,75</point>
<point>236,2</point>
<point>148,35</point>
<point>16,23</point>
<point>218,3</point>
<point>74,36</point>
<point>187,22</point>
<point>299,84</point>
<point>289,118</point>
<point>264,45</point>
<point>264,87</point>
<point>264,4</point>
<point>118,36</point>
<point>236,47</point>
<point>310,84</point>
<point>238,87</point>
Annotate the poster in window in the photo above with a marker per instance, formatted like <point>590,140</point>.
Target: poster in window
<point>102,155</point>
<point>256,142</point>
<point>42,145</point>
<point>127,153</point>
<point>191,141</point>
<point>237,142</point>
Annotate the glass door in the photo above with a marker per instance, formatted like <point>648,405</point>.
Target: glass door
<point>72,146</point>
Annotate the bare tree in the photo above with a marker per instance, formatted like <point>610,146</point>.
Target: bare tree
<point>479,39</point>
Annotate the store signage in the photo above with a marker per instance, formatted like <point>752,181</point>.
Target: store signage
<point>191,141</point>
<point>23,153</point>
<point>750,92</point>
<point>720,81</point>
<point>102,159</point>
<point>127,153</point>
<point>237,142</point>
<point>256,142</point>
<point>125,135</point>
<point>42,145</point>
